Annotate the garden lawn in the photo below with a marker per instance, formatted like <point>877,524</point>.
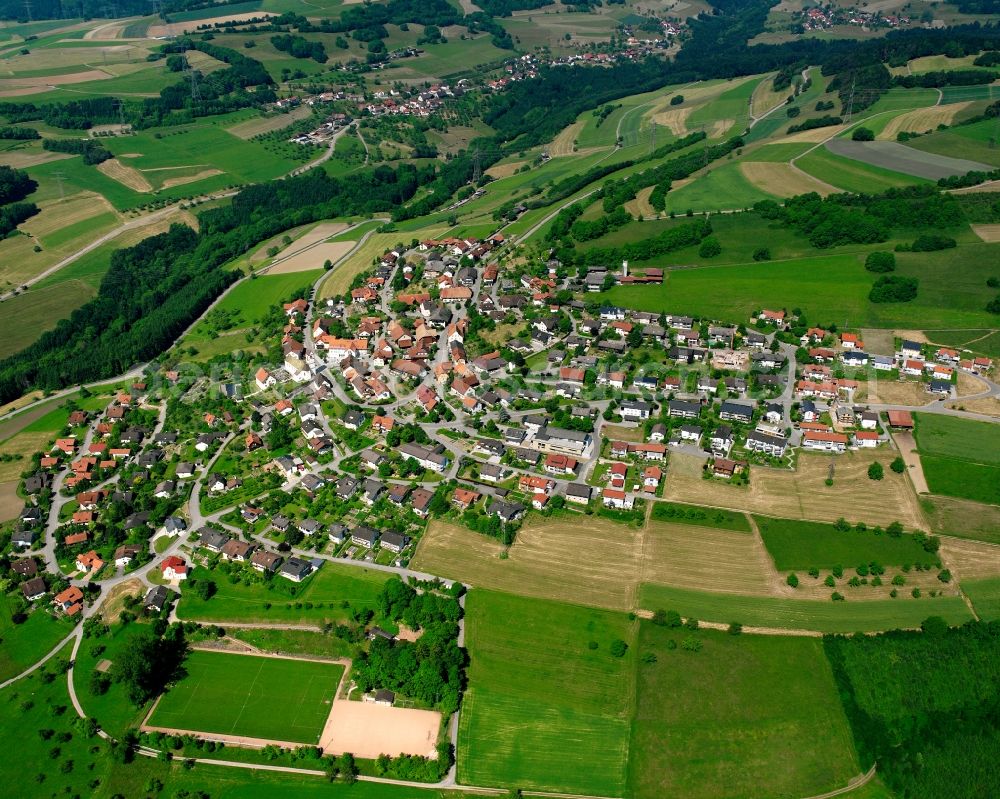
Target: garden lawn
<point>22,645</point>
<point>245,695</point>
<point>798,544</point>
<point>322,597</point>
<point>544,710</point>
<point>803,614</point>
<point>748,716</point>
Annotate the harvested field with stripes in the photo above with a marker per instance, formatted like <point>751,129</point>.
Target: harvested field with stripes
<point>783,180</point>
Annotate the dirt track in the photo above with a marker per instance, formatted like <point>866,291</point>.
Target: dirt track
<point>368,730</point>
<point>907,446</point>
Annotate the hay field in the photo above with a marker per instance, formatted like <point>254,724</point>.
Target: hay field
<point>498,171</point>
<point>802,494</point>
<point>706,559</point>
<point>894,392</point>
<point>988,406</point>
<point>61,228</point>
<point>990,233</point>
<point>813,136</point>
<point>10,502</point>
<point>640,206</point>
<point>312,258</point>
<point>23,158</point>
<point>783,180</point>
<point>675,119</point>
<point>720,127</point>
<point>161,31</point>
<point>193,178</point>
<point>970,560</point>
<point>922,120</point>
<point>563,144</point>
<point>592,560</point>
<point>128,176</point>
<point>764,98</point>
<point>268,124</point>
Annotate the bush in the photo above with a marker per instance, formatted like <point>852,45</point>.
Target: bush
<point>792,580</point>
<point>710,247</point>
<point>762,254</point>
<point>677,99</point>
<point>619,648</point>
<point>863,134</point>
<point>735,628</point>
<point>893,288</point>
<point>932,242</point>
<point>880,262</point>
<point>898,465</point>
<point>876,472</point>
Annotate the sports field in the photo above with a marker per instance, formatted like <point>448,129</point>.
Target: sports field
<point>960,457</point>
<point>545,708</point>
<point>249,696</point>
<point>740,717</point>
<point>801,614</point>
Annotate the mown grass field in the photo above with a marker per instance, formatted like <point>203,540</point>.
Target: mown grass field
<point>21,645</point>
<point>723,188</point>
<point>741,717</point>
<point>543,709</point>
<point>801,614</point>
<point>960,457</point>
<point>326,591</point>
<point>796,544</point>
<point>985,597</point>
<point>850,175</point>
<point>240,694</point>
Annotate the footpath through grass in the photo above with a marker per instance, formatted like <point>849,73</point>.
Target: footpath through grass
<point>803,614</point>
<point>548,705</point>
<point>749,716</point>
<point>259,697</point>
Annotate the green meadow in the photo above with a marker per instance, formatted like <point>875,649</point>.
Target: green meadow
<point>796,544</point>
<point>741,716</point>
<point>322,597</point>
<point>985,597</point>
<point>850,175</point>
<point>960,457</point>
<point>548,705</point>
<point>21,645</point>
<point>803,614</point>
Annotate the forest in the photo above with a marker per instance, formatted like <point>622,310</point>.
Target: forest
<point>925,705</point>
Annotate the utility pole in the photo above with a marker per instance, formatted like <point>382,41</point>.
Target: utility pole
<point>850,101</point>
<point>59,176</point>
<point>27,9</point>
<point>477,168</point>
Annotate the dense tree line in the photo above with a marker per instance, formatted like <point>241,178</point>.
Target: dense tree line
<point>925,706</point>
<point>677,238</point>
<point>864,218</point>
<point>71,9</point>
<point>431,669</point>
<point>817,122</point>
<point>19,134</point>
<point>585,230</point>
<point>93,151</point>
<point>15,185</point>
<point>954,77</point>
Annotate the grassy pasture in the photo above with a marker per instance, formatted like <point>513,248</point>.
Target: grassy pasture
<point>729,720</point>
<point>238,695</point>
<point>963,518</point>
<point>724,187</point>
<point>798,544</point>
<point>803,614</point>
<point>27,316</point>
<point>544,710</point>
<point>327,590</point>
<point>965,141</point>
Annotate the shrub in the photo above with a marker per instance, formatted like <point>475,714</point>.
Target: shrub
<point>875,471</point>
<point>762,254</point>
<point>710,247</point>
<point>677,99</point>
<point>735,628</point>
<point>880,262</point>
<point>931,242</point>
<point>898,465</point>
<point>893,288</point>
<point>863,134</point>
<point>619,648</point>
<point>792,580</point>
